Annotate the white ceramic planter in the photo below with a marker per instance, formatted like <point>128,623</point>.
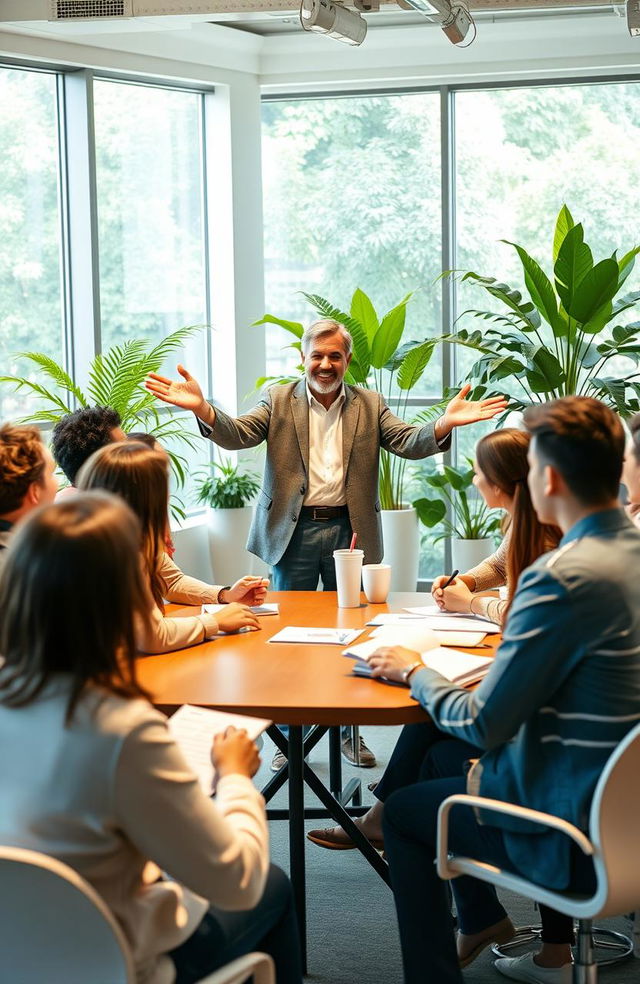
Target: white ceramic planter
<point>465,554</point>
<point>228,531</point>
<point>401,547</point>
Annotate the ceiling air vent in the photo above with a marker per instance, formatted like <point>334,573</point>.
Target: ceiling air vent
<point>64,10</point>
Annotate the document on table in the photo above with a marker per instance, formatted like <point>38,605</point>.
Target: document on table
<point>273,608</point>
<point>305,635</point>
<point>458,667</point>
<point>453,620</point>
<point>469,638</point>
<point>193,729</point>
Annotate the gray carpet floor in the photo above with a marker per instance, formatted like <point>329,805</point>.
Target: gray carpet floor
<point>352,932</point>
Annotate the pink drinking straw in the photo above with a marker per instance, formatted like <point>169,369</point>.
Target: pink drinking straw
<point>353,542</point>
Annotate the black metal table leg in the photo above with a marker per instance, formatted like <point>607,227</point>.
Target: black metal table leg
<point>335,760</point>
<point>296,833</point>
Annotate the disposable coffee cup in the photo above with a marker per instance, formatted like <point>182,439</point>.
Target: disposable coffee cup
<point>376,581</point>
<point>348,572</point>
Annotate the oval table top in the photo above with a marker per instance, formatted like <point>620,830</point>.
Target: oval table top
<point>288,683</point>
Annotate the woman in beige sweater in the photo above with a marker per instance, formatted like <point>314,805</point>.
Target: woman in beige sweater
<point>94,777</point>
<point>140,476</point>
<point>501,470</point>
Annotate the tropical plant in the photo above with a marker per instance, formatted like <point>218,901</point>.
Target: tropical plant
<point>230,489</point>
<point>561,340</point>
<point>381,360</point>
<point>469,517</point>
<point>115,380</point>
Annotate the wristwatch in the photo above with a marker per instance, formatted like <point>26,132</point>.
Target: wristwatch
<point>408,670</point>
<point>227,587</point>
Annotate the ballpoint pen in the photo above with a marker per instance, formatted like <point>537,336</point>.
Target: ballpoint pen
<point>450,581</point>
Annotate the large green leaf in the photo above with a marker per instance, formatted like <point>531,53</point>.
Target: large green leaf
<point>626,264</point>
<point>414,363</point>
<point>546,363</point>
<point>458,479</point>
<point>363,311</point>
<point>596,288</point>
<point>564,223</point>
<point>430,511</point>
<point>291,326</point>
<point>540,289</point>
<point>573,263</point>
<point>56,373</point>
<point>526,310</point>
<point>388,335</point>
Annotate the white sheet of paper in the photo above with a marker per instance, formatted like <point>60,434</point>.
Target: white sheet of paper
<point>305,635</point>
<point>445,637</point>
<point>273,608</point>
<point>453,620</point>
<point>193,729</point>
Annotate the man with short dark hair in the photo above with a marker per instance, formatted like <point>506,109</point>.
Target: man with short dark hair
<point>77,435</point>
<point>564,689</point>
<point>27,477</point>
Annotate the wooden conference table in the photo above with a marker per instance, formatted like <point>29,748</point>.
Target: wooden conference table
<point>298,685</point>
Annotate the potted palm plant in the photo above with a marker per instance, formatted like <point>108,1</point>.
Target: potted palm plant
<point>115,380</point>
<point>383,360</point>
<point>468,520</point>
<point>227,492</point>
<point>566,337</point>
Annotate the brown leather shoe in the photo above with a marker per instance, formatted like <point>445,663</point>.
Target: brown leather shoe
<point>335,839</point>
<point>367,758</point>
<point>500,932</point>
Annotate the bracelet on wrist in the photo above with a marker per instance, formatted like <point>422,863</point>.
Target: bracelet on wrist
<point>408,672</point>
<point>219,600</point>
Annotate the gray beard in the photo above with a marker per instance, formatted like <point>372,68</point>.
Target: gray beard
<point>322,387</point>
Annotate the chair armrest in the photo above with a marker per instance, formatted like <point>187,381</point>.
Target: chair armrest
<point>509,809</point>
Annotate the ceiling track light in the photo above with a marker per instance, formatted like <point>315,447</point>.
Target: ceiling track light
<point>452,15</point>
<point>333,19</point>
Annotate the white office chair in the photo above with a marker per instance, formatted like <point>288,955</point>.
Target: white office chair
<point>54,927</point>
<point>613,844</point>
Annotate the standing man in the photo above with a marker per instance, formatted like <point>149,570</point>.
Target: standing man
<point>323,449</point>
<point>27,478</point>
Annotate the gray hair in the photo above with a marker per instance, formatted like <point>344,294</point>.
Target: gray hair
<point>326,326</point>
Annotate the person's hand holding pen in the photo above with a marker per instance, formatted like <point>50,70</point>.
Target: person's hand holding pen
<point>452,594</point>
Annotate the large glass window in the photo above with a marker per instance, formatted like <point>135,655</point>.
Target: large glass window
<point>352,199</point>
<point>31,310</point>
<point>150,213</point>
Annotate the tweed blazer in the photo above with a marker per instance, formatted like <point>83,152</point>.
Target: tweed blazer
<point>281,419</point>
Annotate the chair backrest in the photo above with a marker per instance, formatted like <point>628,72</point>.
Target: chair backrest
<point>55,927</point>
<point>614,828</point>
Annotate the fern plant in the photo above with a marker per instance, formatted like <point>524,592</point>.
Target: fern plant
<point>380,361</point>
<point>115,380</point>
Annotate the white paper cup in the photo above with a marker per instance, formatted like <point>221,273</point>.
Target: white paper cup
<point>376,581</point>
<point>348,571</point>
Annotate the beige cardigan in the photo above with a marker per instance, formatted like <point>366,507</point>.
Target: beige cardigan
<point>167,633</point>
<point>112,792</point>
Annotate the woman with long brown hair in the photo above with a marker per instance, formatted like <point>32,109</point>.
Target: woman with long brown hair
<point>501,469</point>
<point>93,776</point>
<point>140,475</point>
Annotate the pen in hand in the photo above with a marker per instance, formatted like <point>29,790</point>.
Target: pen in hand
<point>450,581</point>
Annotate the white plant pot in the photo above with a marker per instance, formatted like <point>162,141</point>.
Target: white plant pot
<point>401,547</point>
<point>466,554</point>
<point>228,531</point>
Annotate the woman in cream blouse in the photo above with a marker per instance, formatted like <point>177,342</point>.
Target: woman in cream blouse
<point>94,778</point>
<point>140,476</point>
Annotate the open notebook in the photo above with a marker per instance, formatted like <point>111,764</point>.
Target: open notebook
<point>455,665</point>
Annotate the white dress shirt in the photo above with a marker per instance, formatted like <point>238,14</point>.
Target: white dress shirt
<point>326,467</point>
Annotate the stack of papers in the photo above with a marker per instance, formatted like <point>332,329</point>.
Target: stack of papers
<point>304,635</point>
<point>468,638</point>
<point>453,620</point>
<point>193,729</point>
<point>454,665</point>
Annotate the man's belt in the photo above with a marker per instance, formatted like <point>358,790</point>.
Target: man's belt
<point>323,512</point>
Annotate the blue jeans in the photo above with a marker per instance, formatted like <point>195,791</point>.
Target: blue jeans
<point>223,936</point>
<point>309,558</point>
